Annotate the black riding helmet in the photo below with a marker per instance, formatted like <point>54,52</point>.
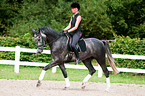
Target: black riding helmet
<point>75,5</point>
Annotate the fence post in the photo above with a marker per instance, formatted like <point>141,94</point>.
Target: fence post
<point>99,71</point>
<point>17,59</point>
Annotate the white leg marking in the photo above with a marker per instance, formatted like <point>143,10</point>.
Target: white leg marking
<point>67,82</point>
<point>108,83</point>
<point>87,78</point>
<point>42,75</point>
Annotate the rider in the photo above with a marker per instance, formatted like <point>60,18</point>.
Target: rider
<point>74,29</point>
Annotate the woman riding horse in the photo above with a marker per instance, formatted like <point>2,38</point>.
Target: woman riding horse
<point>95,49</point>
<point>75,29</point>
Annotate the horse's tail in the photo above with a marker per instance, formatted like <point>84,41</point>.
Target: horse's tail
<point>110,58</point>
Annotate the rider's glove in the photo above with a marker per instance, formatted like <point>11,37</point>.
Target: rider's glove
<point>65,32</point>
<point>61,31</point>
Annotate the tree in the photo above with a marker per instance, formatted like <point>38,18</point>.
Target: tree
<point>96,23</point>
<point>8,10</point>
<point>100,18</point>
<point>127,17</point>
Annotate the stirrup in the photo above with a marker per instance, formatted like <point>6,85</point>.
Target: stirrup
<point>77,62</point>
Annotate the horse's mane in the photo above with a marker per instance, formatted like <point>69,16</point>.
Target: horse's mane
<point>49,30</point>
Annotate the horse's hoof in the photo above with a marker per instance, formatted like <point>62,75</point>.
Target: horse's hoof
<point>83,85</point>
<point>38,84</point>
<point>107,90</point>
<point>65,88</point>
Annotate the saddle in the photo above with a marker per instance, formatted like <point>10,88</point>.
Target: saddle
<point>81,45</point>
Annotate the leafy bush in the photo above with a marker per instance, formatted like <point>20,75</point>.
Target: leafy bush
<point>130,63</point>
<point>26,41</point>
<point>128,46</point>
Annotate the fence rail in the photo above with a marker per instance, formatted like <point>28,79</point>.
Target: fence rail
<point>17,61</point>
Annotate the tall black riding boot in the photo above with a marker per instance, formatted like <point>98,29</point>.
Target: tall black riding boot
<point>77,56</point>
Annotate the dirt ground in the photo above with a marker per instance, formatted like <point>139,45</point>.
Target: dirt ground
<point>56,88</point>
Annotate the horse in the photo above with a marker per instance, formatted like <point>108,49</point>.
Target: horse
<point>95,49</point>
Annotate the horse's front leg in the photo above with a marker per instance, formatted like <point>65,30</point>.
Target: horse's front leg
<point>50,65</point>
<point>62,67</point>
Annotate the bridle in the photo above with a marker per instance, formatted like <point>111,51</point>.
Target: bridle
<point>44,39</point>
<point>41,38</point>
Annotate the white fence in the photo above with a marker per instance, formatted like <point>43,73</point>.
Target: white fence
<point>17,61</point>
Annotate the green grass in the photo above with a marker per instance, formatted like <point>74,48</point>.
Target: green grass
<point>32,73</point>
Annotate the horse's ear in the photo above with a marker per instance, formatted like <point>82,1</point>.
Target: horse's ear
<point>33,30</point>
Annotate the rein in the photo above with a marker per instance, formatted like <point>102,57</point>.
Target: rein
<point>54,40</point>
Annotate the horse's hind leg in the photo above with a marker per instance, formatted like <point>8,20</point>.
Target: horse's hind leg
<point>91,69</point>
<point>102,63</point>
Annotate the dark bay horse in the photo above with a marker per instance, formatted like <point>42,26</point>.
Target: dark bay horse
<point>96,49</point>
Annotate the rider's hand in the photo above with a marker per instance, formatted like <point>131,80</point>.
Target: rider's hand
<point>61,31</point>
<point>65,32</point>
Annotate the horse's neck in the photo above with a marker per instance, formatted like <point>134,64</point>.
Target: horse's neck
<point>51,35</point>
<point>51,39</point>
<point>60,41</point>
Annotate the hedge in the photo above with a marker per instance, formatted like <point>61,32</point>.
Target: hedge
<point>26,41</point>
<point>128,46</point>
<point>121,45</point>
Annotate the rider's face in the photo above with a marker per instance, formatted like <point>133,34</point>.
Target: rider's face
<point>74,10</point>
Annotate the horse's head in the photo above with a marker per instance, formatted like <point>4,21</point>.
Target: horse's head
<point>40,39</point>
